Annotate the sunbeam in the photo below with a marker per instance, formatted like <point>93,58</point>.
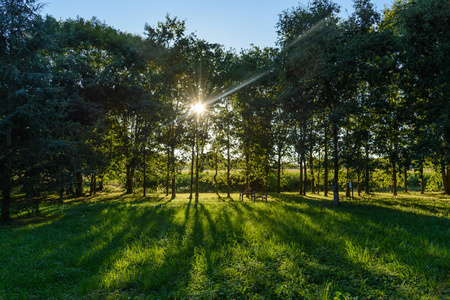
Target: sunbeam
<point>217,98</point>
<point>237,87</point>
<point>308,32</point>
<point>196,108</point>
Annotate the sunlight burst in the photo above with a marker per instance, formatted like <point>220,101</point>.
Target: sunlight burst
<point>198,108</point>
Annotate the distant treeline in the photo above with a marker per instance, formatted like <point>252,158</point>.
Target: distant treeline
<point>381,181</point>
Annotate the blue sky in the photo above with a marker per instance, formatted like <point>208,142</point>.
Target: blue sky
<point>232,23</point>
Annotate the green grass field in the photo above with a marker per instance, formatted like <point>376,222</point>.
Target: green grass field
<point>129,247</point>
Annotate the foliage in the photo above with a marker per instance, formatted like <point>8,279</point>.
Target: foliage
<point>364,99</point>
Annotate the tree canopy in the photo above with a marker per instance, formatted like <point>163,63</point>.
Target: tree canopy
<point>81,101</point>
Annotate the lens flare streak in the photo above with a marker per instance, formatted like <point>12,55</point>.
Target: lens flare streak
<point>217,98</point>
<point>251,80</point>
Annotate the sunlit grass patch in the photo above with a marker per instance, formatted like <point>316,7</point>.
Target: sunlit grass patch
<point>120,246</point>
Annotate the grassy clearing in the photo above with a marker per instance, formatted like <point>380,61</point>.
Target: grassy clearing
<point>119,247</point>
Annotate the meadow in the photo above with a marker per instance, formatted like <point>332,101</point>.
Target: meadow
<point>117,246</point>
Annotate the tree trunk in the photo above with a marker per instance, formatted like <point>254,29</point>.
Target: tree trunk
<point>247,170</point>
<point>266,175</point>
<point>144,169</point>
<point>347,187</point>
<point>91,182</point>
<point>394,179</point>
<point>300,162</point>
<point>394,166</point>
<point>318,171</point>
<point>325,161</point>
<point>168,172</point>
<point>405,173</point>
<point>305,182</point>
<point>192,171</point>
<point>335,191</point>
<point>174,174</point>
<point>228,169</point>
<point>367,174</point>
<point>446,179</point>
<point>359,184</point>
<point>61,195</point>
<point>216,183</point>
<point>79,185</point>
<point>336,165</point>
<point>174,186</point>
<point>279,172</point>
<point>196,160</point>
<point>129,181</point>
<point>311,168</point>
<point>422,181</point>
<point>6,176</point>
<point>228,183</point>
<point>93,185</point>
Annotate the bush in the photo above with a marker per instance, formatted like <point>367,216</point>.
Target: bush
<point>434,182</point>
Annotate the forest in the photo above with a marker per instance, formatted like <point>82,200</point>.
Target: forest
<point>339,100</point>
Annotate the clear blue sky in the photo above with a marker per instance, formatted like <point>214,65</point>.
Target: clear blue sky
<point>232,23</point>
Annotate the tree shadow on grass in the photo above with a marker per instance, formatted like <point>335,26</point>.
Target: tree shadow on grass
<point>356,251</point>
<point>96,234</point>
<point>230,249</point>
<point>441,206</point>
<point>415,238</point>
<point>303,199</point>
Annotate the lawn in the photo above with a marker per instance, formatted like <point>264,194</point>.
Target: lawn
<point>129,247</point>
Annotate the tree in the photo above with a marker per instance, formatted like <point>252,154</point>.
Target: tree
<point>255,106</point>
<point>25,98</point>
<point>320,64</point>
<point>171,46</point>
<point>422,26</point>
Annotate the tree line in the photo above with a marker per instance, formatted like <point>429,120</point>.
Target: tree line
<point>84,102</point>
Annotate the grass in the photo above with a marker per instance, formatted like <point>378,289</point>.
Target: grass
<point>116,246</point>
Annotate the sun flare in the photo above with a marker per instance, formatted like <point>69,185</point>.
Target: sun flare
<point>198,108</point>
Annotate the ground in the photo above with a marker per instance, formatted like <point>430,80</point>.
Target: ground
<point>126,246</point>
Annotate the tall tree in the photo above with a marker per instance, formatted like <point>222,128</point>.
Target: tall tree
<point>169,42</point>
<point>255,106</point>
<point>421,28</point>
<point>24,90</point>
<point>320,63</point>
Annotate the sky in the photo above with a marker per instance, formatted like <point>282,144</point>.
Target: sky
<point>232,23</point>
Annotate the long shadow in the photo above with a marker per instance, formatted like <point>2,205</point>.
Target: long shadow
<point>388,215</point>
<point>441,206</point>
<point>298,223</point>
<point>99,237</point>
<point>212,238</point>
<point>112,198</point>
<point>299,236</point>
<point>375,207</point>
<point>289,232</point>
<point>304,199</point>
